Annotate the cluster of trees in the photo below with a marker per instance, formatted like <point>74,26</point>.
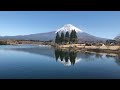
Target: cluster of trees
<point>67,38</point>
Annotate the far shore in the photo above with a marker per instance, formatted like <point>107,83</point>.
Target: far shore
<point>78,47</point>
<point>75,47</point>
<point>89,47</point>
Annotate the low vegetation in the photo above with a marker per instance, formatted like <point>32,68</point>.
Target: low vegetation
<point>3,42</point>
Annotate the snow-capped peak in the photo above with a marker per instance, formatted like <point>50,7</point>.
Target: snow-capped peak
<point>69,28</point>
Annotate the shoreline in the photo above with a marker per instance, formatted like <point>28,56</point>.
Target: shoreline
<point>97,49</point>
<point>111,51</point>
<point>79,48</point>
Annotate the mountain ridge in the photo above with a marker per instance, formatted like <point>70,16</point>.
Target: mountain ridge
<point>82,36</point>
<point>117,37</point>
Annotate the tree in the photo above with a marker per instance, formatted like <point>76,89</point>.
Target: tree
<point>62,38</point>
<point>67,37</point>
<point>71,36</point>
<point>57,54</point>
<point>57,39</point>
<point>75,37</point>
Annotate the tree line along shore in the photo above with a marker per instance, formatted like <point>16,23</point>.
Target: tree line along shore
<point>70,41</point>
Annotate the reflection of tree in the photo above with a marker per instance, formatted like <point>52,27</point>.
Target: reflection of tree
<point>61,55</point>
<point>73,56</point>
<point>66,55</point>
<point>56,54</point>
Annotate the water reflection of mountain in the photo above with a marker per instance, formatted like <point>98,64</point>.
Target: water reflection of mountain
<point>51,52</point>
<point>45,51</point>
<point>116,58</point>
<point>65,57</point>
<point>71,57</point>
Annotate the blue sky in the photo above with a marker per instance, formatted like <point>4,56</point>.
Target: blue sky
<point>104,24</point>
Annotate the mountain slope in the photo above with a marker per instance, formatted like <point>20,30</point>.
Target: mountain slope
<point>87,37</point>
<point>39,36</point>
<point>82,36</point>
<point>117,37</point>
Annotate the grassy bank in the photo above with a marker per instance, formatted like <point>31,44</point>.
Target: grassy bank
<point>98,49</point>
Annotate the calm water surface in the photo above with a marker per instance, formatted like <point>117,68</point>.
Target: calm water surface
<point>39,62</point>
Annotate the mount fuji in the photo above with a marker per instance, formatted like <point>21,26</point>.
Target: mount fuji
<point>69,28</point>
<point>82,36</point>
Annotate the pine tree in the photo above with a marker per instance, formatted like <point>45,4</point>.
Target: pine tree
<point>62,38</point>
<point>67,37</point>
<point>76,39</point>
<point>57,39</point>
<point>74,36</point>
<point>71,36</point>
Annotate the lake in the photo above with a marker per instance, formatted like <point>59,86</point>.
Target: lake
<point>44,62</point>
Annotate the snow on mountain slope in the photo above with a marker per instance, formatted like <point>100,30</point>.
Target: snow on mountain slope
<point>117,37</point>
<point>69,28</point>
